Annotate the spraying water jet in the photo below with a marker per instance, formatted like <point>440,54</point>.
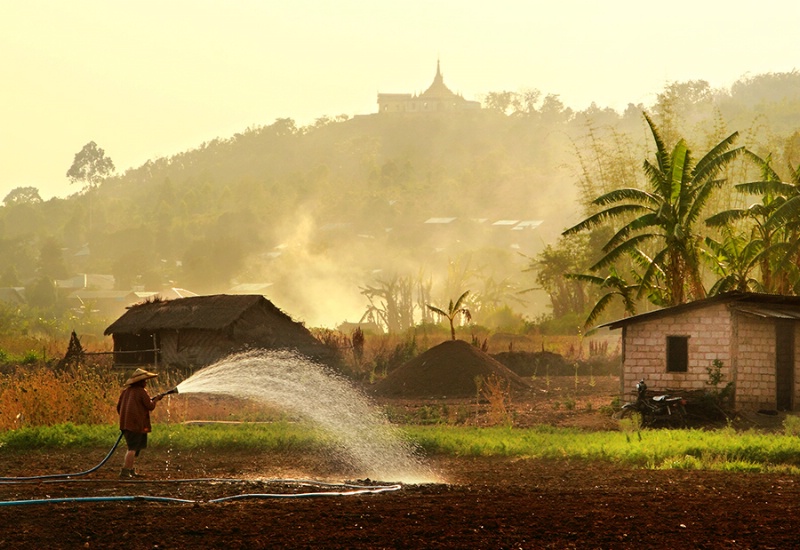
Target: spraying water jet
<point>363,438</point>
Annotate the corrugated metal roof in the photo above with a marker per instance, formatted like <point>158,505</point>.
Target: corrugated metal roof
<point>767,305</point>
<point>768,312</point>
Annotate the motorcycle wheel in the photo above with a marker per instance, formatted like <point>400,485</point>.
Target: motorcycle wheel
<point>678,417</point>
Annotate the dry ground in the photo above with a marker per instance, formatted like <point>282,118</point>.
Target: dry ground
<point>481,502</point>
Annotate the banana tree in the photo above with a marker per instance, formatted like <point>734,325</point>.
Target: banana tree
<point>659,222</point>
<point>453,311</point>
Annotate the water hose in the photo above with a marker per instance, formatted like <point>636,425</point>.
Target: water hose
<point>78,474</point>
<point>365,491</point>
<point>356,490</point>
<point>56,476</point>
<point>93,499</point>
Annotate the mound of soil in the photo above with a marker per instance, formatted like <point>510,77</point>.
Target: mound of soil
<point>449,369</point>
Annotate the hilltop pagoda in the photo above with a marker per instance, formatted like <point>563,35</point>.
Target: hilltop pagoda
<point>438,97</point>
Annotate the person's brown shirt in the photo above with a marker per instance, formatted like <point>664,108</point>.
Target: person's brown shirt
<point>134,408</point>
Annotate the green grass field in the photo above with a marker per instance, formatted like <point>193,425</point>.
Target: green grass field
<point>723,449</point>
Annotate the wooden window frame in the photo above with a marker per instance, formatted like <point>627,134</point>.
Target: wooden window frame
<point>677,353</point>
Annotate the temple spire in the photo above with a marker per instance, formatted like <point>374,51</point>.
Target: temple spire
<point>438,87</point>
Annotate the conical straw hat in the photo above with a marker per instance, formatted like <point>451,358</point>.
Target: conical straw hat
<point>139,375</point>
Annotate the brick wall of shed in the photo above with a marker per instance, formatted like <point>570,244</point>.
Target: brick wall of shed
<point>645,355</point>
<point>755,362</point>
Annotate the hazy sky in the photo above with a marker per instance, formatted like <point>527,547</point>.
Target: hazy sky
<point>148,79</point>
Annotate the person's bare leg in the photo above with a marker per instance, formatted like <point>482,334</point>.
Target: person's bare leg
<point>130,456</point>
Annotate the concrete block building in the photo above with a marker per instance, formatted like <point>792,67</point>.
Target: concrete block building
<point>754,336</point>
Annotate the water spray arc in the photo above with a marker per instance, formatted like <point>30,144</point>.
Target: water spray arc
<point>363,438</point>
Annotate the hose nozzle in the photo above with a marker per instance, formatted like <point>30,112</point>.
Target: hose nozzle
<point>166,393</point>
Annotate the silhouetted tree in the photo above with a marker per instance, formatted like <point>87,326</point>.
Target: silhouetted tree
<point>90,167</point>
<point>22,195</point>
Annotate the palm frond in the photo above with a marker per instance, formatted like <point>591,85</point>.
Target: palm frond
<point>786,213</point>
<point>716,165</point>
<point>625,194</point>
<point>767,173</point>
<point>679,169</point>
<point>585,277</point>
<point>601,217</point>
<point>598,310</point>
<point>661,150</point>
<point>653,271</point>
<point>701,198</point>
<point>642,222</point>
<point>710,161</point>
<point>728,217</point>
<point>461,298</point>
<point>766,187</point>
<point>628,246</point>
<point>437,310</point>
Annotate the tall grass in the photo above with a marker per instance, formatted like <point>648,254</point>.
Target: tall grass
<point>41,396</point>
<point>655,449</point>
<point>277,437</point>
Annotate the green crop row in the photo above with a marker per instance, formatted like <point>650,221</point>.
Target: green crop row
<point>723,449</point>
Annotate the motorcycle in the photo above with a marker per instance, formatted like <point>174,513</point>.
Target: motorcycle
<point>653,411</point>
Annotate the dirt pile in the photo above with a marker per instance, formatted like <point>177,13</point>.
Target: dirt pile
<point>449,369</point>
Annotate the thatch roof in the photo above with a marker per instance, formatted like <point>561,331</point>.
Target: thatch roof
<point>199,312</point>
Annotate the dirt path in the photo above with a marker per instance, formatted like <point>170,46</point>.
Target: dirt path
<point>486,503</point>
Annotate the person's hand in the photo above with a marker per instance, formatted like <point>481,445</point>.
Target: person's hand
<point>157,398</point>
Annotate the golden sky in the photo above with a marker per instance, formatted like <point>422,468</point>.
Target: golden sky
<point>148,79</point>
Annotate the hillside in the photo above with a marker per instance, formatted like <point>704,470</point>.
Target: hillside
<point>336,218</point>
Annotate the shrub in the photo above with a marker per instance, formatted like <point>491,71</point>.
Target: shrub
<point>38,396</point>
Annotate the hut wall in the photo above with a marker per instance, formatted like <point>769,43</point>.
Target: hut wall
<point>755,369</point>
<point>709,338</point>
<point>194,348</point>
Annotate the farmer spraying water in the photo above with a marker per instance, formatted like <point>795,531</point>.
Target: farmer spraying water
<point>134,408</point>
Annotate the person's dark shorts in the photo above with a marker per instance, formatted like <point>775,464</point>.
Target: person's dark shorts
<point>136,441</point>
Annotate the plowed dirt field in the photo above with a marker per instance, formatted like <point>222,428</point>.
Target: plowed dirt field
<point>479,503</point>
<point>485,503</point>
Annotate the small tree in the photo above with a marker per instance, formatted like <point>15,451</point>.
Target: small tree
<point>453,310</point>
<point>91,166</point>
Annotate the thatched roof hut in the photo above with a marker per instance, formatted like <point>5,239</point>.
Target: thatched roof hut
<point>200,330</point>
